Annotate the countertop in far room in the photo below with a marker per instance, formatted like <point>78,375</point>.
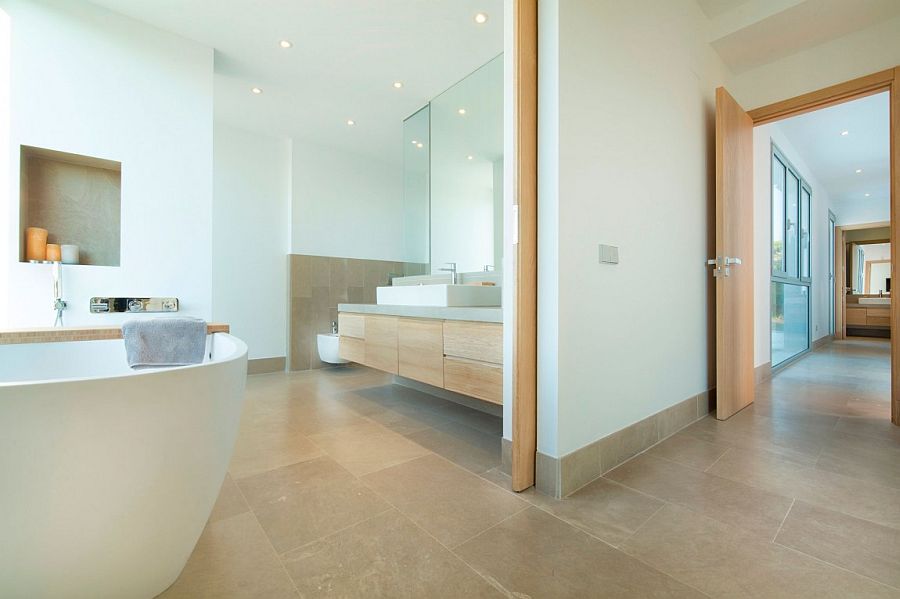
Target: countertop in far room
<point>474,314</point>
<point>87,333</point>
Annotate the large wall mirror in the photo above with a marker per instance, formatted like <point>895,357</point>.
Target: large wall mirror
<point>453,175</point>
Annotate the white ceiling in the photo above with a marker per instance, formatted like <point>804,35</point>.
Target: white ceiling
<point>345,58</point>
<point>750,33</point>
<point>834,158</point>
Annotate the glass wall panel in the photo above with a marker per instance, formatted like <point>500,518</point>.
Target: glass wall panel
<point>804,233</point>
<point>778,174</point>
<point>792,222</point>
<point>790,321</point>
<point>416,147</point>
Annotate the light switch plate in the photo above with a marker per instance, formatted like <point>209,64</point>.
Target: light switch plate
<point>609,254</point>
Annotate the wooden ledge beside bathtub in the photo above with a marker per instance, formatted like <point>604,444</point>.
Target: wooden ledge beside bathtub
<point>63,334</point>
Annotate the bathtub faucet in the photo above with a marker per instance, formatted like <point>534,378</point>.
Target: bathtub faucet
<point>58,304</point>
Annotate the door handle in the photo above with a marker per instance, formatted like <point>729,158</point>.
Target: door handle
<point>723,265</point>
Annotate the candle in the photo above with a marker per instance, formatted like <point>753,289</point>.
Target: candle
<point>69,254</point>
<point>35,243</point>
<point>53,252</point>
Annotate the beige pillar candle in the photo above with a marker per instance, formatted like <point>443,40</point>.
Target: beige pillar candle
<point>54,254</point>
<point>35,243</point>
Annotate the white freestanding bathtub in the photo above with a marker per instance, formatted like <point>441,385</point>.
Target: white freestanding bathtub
<point>108,475</point>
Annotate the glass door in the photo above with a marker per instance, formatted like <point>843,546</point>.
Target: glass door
<point>791,274</point>
<point>831,227</point>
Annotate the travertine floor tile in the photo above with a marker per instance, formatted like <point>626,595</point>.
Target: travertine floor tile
<point>723,561</point>
<point>688,451</point>
<point>367,447</point>
<point>603,508</point>
<point>534,554</point>
<point>230,501</point>
<point>233,560</point>
<point>385,556</point>
<point>857,545</point>
<point>851,496</point>
<point>754,510</point>
<point>302,517</point>
<point>470,448</point>
<point>451,504</point>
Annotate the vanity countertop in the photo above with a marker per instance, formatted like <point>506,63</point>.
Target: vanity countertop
<point>86,333</point>
<point>474,314</point>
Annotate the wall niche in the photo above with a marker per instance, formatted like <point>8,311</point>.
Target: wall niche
<point>78,199</point>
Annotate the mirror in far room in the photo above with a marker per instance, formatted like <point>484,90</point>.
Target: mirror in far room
<point>870,268</point>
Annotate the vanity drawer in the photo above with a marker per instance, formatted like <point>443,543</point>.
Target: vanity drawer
<point>878,320</point>
<point>421,350</point>
<point>381,343</point>
<point>856,316</point>
<point>476,379</point>
<point>481,341</point>
<point>352,325</point>
<point>351,348</point>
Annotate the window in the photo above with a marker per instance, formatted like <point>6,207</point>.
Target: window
<point>791,273</point>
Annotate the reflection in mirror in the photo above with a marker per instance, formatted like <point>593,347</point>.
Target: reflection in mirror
<point>453,175</point>
<point>870,268</point>
<point>467,172</point>
<point>416,148</point>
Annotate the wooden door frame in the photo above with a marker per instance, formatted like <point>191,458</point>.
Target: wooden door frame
<point>887,80</point>
<point>524,375</point>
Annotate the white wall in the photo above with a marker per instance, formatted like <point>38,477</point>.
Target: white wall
<point>820,291</point>
<point>4,165</point>
<point>860,53</point>
<point>88,81</point>
<point>635,116</point>
<point>251,230</point>
<point>345,205</point>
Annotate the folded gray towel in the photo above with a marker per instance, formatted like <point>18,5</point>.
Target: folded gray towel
<point>160,342</point>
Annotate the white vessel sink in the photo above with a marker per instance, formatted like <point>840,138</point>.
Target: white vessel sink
<point>444,296</point>
<point>881,301</point>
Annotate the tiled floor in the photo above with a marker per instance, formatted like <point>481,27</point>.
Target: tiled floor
<point>343,485</point>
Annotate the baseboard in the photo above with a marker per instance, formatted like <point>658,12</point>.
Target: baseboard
<point>506,456</point>
<point>559,477</point>
<point>266,365</point>
<point>762,373</point>
<point>470,402</point>
<point>822,342</point>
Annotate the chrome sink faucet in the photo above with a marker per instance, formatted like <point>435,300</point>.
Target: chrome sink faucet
<point>454,276</point>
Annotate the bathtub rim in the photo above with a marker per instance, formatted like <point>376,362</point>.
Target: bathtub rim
<point>240,352</point>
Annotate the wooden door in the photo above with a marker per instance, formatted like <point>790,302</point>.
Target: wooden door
<point>733,262</point>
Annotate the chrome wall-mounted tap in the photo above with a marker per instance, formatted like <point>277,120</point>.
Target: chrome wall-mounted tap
<point>58,304</point>
<point>454,276</point>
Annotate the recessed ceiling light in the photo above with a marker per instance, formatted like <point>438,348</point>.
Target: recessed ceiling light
<point>858,171</point>
<point>470,157</point>
<point>285,44</point>
<point>845,133</point>
<point>351,122</point>
<point>867,195</point>
<point>461,111</point>
<point>398,84</point>
<point>420,145</point>
<point>255,90</point>
<point>414,142</point>
<point>481,18</point>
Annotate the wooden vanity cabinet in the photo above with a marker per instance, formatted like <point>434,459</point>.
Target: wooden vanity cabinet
<point>381,343</point>
<point>461,356</point>
<point>421,350</point>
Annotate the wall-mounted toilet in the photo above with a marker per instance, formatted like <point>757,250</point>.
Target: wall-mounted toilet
<point>328,348</point>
